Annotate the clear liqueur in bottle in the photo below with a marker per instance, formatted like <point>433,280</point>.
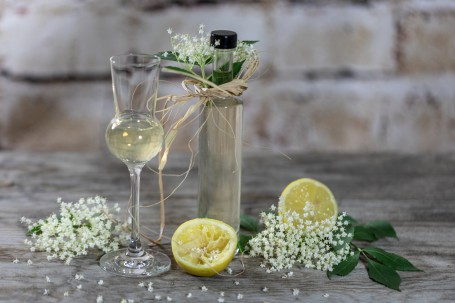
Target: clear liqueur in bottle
<point>220,141</point>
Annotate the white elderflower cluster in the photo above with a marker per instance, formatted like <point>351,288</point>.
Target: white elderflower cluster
<point>79,227</point>
<point>192,49</point>
<point>245,52</point>
<point>289,239</point>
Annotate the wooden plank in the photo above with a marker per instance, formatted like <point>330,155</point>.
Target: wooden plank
<point>415,192</point>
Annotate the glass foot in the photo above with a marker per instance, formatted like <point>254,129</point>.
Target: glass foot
<point>152,263</point>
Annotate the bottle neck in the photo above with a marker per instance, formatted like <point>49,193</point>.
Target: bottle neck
<point>223,61</point>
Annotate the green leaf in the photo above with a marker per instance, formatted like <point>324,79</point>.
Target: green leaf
<point>34,230</point>
<point>243,241</point>
<point>363,233</point>
<point>383,275</point>
<point>349,230</point>
<point>173,56</point>
<point>249,223</point>
<point>351,220</point>
<point>250,42</point>
<point>391,260</point>
<point>237,67</point>
<point>178,69</point>
<point>345,267</point>
<point>382,229</point>
<point>208,60</point>
<point>170,56</point>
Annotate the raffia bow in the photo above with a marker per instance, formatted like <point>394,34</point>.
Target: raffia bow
<point>234,88</point>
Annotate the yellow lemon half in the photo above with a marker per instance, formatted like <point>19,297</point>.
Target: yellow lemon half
<point>204,247</point>
<point>311,199</point>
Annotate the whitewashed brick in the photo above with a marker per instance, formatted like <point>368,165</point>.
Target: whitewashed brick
<point>426,5</point>
<point>421,118</point>
<point>399,114</point>
<point>308,116</point>
<point>54,116</point>
<point>427,40</point>
<point>330,37</point>
<point>64,38</point>
<point>374,113</point>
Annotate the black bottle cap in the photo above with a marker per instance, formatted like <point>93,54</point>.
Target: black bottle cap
<point>227,39</point>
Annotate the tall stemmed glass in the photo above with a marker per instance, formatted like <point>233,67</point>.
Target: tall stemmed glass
<point>135,136</point>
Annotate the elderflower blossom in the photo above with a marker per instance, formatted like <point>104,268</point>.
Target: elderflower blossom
<point>79,227</point>
<point>150,287</point>
<point>289,238</point>
<point>196,50</point>
<point>78,276</point>
<point>192,49</point>
<point>244,52</point>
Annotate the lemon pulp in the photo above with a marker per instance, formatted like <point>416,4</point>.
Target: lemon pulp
<point>204,247</point>
<point>311,199</point>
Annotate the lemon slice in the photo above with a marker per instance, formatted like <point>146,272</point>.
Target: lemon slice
<point>204,247</point>
<point>311,199</point>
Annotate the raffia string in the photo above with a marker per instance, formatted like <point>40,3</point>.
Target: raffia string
<point>195,87</point>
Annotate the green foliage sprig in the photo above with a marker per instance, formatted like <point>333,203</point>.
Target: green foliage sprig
<point>194,54</point>
<point>77,228</point>
<point>382,266</point>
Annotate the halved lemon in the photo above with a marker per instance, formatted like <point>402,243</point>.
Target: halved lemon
<point>311,199</point>
<point>204,247</point>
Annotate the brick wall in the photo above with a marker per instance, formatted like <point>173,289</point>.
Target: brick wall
<point>335,75</point>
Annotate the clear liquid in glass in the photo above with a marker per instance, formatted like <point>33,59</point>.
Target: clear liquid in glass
<point>220,161</point>
<point>134,138</point>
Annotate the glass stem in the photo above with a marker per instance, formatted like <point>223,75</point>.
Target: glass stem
<point>135,246</point>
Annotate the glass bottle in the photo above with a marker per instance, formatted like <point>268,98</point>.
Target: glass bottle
<point>220,141</point>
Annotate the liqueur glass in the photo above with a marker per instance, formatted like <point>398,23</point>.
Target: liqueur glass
<point>135,136</point>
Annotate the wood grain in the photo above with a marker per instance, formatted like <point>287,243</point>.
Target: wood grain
<point>415,192</point>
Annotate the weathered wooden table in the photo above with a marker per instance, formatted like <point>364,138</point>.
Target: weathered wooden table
<point>416,193</point>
